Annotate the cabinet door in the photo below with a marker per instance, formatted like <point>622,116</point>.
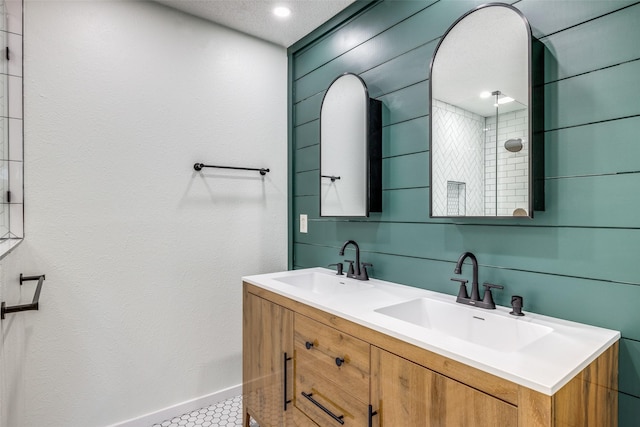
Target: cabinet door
<point>267,362</point>
<point>407,394</point>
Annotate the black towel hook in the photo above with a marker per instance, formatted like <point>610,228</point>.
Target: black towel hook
<point>24,307</point>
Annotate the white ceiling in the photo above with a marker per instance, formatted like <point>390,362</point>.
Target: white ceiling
<point>255,17</point>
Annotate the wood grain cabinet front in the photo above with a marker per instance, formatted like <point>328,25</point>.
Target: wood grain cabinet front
<point>305,367</point>
<point>332,372</point>
<point>408,394</point>
<point>267,347</point>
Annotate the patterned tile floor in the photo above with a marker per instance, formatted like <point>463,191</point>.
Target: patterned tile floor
<point>227,413</point>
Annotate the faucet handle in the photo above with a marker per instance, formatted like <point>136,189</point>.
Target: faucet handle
<point>351,270</point>
<point>487,299</point>
<point>462,293</point>
<point>339,268</point>
<point>365,273</point>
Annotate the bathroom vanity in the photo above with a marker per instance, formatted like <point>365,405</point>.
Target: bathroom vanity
<point>324,350</point>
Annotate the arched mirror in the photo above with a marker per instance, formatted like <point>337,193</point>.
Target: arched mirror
<point>350,150</point>
<point>481,116</point>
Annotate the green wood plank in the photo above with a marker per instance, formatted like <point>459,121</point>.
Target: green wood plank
<point>309,205</point>
<point>601,95</point>
<point>418,29</point>
<point>599,148</point>
<point>291,145</point>
<point>306,183</point>
<point>546,17</point>
<point>307,158</point>
<point>308,256</point>
<point>307,110</point>
<point>408,205</point>
<point>629,377</point>
<point>628,410</point>
<point>597,303</point>
<point>400,71</point>
<point>371,23</point>
<point>307,134</point>
<point>407,137</point>
<point>407,171</point>
<point>614,36</point>
<point>594,253</point>
<point>591,201</point>
<point>406,104</point>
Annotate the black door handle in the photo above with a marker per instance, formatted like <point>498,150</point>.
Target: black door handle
<point>286,401</point>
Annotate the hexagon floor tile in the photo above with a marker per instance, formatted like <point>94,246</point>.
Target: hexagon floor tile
<point>227,413</point>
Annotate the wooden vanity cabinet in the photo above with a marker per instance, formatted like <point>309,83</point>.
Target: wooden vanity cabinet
<point>401,384</point>
<point>267,348</point>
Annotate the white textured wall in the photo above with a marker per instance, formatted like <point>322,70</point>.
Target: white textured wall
<point>141,308</point>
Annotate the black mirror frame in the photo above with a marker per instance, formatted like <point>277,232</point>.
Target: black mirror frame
<point>373,155</point>
<point>536,117</point>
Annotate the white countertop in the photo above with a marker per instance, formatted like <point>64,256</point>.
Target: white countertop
<point>545,365</point>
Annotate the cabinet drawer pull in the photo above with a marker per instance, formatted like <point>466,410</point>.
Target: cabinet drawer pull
<point>286,401</point>
<point>338,418</point>
<point>339,361</point>
<point>308,344</point>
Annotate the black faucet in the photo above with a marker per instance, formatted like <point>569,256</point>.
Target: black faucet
<point>474,299</point>
<point>359,271</point>
<point>475,294</point>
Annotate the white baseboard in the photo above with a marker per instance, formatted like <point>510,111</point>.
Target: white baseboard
<point>181,408</point>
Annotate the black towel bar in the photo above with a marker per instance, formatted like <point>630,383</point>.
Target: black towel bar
<point>199,166</point>
<point>24,307</point>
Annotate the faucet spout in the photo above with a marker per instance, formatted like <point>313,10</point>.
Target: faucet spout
<point>355,245</point>
<point>475,292</point>
<point>360,270</point>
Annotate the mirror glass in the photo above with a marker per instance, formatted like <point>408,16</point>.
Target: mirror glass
<point>480,120</point>
<point>345,152</point>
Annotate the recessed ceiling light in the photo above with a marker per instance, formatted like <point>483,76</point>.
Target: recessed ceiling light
<point>485,94</point>
<point>282,11</point>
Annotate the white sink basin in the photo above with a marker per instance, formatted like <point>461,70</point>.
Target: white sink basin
<point>323,284</point>
<point>498,331</point>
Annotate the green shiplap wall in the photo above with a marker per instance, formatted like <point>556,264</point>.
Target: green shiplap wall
<point>578,260</point>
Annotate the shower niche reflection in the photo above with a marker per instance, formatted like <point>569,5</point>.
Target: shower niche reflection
<point>481,146</point>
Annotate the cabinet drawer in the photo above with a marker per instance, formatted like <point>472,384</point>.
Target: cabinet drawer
<point>335,399</point>
<point>351,372</point>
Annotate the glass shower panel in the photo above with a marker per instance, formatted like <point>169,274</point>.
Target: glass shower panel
<point>4,207</point>
<point>11,125</point>
<point>512,161</point>
<point>4,138</point>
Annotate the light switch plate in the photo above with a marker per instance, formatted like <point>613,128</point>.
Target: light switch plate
<point>303,223</point>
